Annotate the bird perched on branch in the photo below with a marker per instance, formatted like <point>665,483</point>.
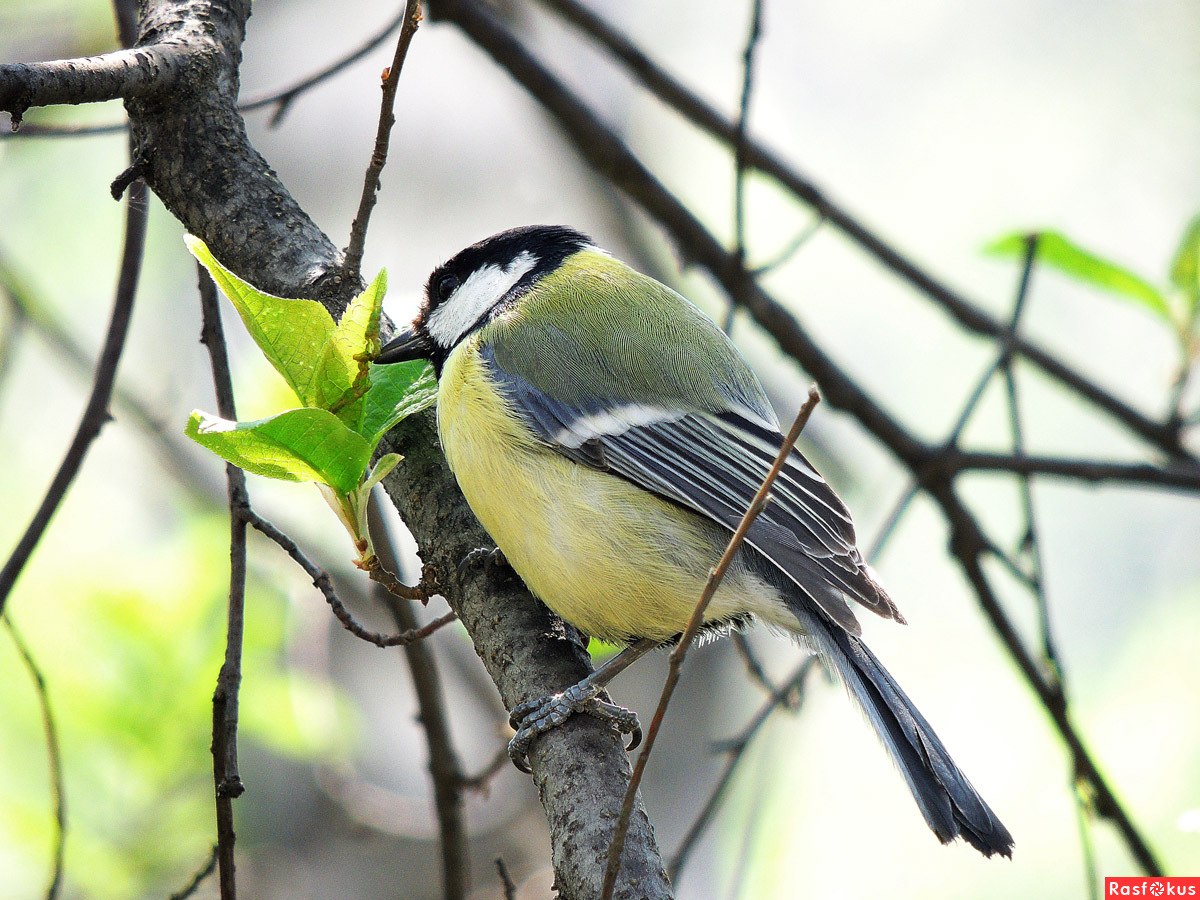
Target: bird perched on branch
<point>610,437</point>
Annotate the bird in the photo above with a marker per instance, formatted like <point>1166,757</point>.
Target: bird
<point>609,437</point>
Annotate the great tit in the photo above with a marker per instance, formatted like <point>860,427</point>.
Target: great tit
<point>609,437</point>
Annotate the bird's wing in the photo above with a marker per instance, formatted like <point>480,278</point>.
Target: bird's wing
<point>713,464</point>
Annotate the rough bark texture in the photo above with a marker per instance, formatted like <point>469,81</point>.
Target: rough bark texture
<point>191,142</point>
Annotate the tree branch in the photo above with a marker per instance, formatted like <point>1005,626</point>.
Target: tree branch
<point>387,118</point>
<point>58,794</point>
<point>95,414</point>
<point>140,72</point>
<point>692,107</point>
<point>226,776</point>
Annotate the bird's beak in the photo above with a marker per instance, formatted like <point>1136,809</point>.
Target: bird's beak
<point>409,344</point>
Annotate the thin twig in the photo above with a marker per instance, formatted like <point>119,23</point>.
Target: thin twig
<point>790,695</point>
<point>445,770</point>
<point>679,653</point>
<point>1002,361</point>
<point>480,780</point>
<point>739,148</point>
<point>283,98</point>
<point>969,315</point>
<point>198,879</point>
<point>754,667</point>
<point>790,249</point>
<point>58,796</point>
<point>226,776</point>
<point>96,413</point>
<point>510,889</point>
<point>323,583</point>
<point>387,118</point>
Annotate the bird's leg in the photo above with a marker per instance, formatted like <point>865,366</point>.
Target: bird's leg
<point>537,716</point>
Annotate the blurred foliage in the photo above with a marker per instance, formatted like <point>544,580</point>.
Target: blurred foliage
<point>130,660</point>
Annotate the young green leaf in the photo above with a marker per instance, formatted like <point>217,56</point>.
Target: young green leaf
<point>292,334</point>
<point>383,466</point>
<point>397,391</point>
<point>1185,270</point>
<point>1059,252</point>
<point>342,370</point>
<point>297,445</point>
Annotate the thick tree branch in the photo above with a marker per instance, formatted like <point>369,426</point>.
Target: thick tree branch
<point>122,74</point>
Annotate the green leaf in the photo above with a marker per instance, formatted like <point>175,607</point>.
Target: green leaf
<point>386,463</point>
<point>397,391</point>
<point>1185,269</point>
<point>297,445</point>
<point>292,334</point>
<point>342,372</point>
<point>1059,252</point>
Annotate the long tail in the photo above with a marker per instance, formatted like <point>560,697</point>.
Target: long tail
<point>951,806</point>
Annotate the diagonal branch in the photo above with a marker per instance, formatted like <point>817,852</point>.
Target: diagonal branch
<point>1165,436</point>
<point>95,414</point>
<point>679,653</point>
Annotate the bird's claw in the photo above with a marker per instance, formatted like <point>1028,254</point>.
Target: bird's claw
<point>537,716</point>
<point>491,557</point>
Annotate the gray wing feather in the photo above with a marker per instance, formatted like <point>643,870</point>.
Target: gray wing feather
<point>714,465</point>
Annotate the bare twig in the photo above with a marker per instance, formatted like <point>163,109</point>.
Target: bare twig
<point>58,797</point>
<point>387,118</point>
<point>323,583</point>
<point>969,315</point>
<point>753,666</point>
<point>679,653</point>
<point>225,698</point>
<point>198,879</point>
<point>506,882</point>
<point>480,780</point>
<point>283,98</point>
<point>789,696</point>
<point>95,414</point>
<point>445,770</point>
<point>124,74</point>
<point>739,148</point>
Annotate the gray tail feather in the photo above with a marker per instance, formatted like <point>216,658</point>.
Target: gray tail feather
<point>951,806</point>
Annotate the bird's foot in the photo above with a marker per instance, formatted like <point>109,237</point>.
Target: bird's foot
<point>492,559</point>
<point>537,716</point>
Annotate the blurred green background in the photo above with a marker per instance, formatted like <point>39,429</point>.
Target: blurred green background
<point>944,125</point>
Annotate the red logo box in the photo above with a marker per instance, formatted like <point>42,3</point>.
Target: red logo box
<point>1142,886</point>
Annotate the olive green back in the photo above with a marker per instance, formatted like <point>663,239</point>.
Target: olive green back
<point>596,332</point>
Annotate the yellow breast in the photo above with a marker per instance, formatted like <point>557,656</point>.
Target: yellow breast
<point>606,556</point>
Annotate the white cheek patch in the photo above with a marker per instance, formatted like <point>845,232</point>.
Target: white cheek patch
<point>617,420</point>
<point>475,297</point>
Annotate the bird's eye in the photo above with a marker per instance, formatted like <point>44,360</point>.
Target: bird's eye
<point>445,286</point>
